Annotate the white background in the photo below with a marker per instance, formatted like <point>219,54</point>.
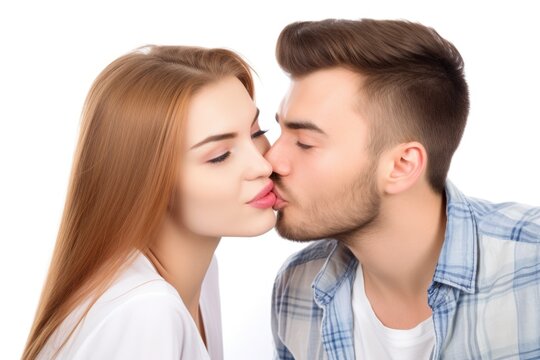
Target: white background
<point>51,51</point>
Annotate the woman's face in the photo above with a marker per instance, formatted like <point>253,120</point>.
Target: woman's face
<point>224,179</point>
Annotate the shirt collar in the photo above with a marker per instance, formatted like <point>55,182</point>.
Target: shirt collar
<point>457,262</point>
<point>338,267</point>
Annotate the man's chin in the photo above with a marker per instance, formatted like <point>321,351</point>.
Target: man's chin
<point>292,236</point>
<point>293,232</point>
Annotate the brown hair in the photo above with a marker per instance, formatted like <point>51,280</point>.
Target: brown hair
<point>413,77</point>
<point>124,171</point>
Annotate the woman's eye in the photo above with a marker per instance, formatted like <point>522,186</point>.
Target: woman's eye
<point>303,146</point>
<point>220,158</point>
<point>258,133</point>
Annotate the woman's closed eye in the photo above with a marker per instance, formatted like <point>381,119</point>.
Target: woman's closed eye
<point>220,158</point>
<point>258,134</point>
<point>225,155</point>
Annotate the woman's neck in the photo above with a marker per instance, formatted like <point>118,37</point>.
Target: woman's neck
<point>182,259</point>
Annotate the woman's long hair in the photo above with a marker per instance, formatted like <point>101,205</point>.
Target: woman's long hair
<point>124,171</point>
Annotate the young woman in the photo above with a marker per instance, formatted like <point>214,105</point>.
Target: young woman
<point>169,160</point>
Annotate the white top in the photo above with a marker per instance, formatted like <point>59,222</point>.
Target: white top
<point>373,340</point>
<point>141,316</point>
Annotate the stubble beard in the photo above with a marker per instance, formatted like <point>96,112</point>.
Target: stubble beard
<point>352,210</point>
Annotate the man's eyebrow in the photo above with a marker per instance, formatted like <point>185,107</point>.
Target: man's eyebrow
<point>302,125</point>
<point>221,137</point>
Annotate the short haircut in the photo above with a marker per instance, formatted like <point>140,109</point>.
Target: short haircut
<point>414,80</point>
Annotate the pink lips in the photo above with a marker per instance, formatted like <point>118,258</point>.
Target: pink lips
<point>265,199</point>
<point>280,203</point>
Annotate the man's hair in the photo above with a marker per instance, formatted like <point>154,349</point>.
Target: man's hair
<point>414,80</point>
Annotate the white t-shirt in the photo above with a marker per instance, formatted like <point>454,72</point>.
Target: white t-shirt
<point>141,316</point>
<point>373,340</point>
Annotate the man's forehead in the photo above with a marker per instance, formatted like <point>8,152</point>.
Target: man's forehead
<point>312,95</point>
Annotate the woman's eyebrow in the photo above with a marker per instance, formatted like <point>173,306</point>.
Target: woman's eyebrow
<point>256,117</point>
<point>225,136</point>
<point>213,138</point>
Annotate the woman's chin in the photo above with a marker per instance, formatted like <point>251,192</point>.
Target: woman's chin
<point>255,226</point>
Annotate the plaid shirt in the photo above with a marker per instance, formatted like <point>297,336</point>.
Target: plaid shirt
<point>485,294</point>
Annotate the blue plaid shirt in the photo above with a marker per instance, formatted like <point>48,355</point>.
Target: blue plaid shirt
<point>485,294</point>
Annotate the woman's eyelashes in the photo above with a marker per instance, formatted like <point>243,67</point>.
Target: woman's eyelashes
<point>220,158</point>
<point>258,134</point>
<point>225,155</point>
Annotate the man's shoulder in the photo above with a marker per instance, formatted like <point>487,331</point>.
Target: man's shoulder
<point>302,266</point>
<point>296,319</point>
<point>507,220</point>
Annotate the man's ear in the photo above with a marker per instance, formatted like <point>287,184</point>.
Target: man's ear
<point>403,166</point>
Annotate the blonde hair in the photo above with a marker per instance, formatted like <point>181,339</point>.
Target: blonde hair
<point>124,171</point>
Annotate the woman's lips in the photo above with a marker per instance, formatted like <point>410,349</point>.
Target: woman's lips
<point>265,199</point>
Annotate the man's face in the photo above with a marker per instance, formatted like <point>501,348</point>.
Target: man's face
<point>325,177</point>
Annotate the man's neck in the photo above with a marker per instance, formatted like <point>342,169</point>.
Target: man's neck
<point>399,255</point>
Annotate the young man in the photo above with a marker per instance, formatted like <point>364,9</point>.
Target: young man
<point>408,267</point>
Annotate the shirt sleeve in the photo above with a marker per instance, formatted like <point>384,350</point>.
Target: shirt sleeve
<point>149,326</point>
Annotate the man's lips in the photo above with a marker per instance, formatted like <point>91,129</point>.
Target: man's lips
<point>280,203</point>
<point>265,198</point>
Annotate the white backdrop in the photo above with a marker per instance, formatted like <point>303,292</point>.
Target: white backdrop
<point>52,50</point>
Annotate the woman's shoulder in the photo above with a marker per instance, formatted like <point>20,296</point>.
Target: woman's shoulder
<point>139,278</point>
<point>145,324</point>
<point>140,312</point>
<point>138,292</point>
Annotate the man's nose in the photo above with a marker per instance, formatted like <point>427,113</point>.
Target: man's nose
<point>277,157</point>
